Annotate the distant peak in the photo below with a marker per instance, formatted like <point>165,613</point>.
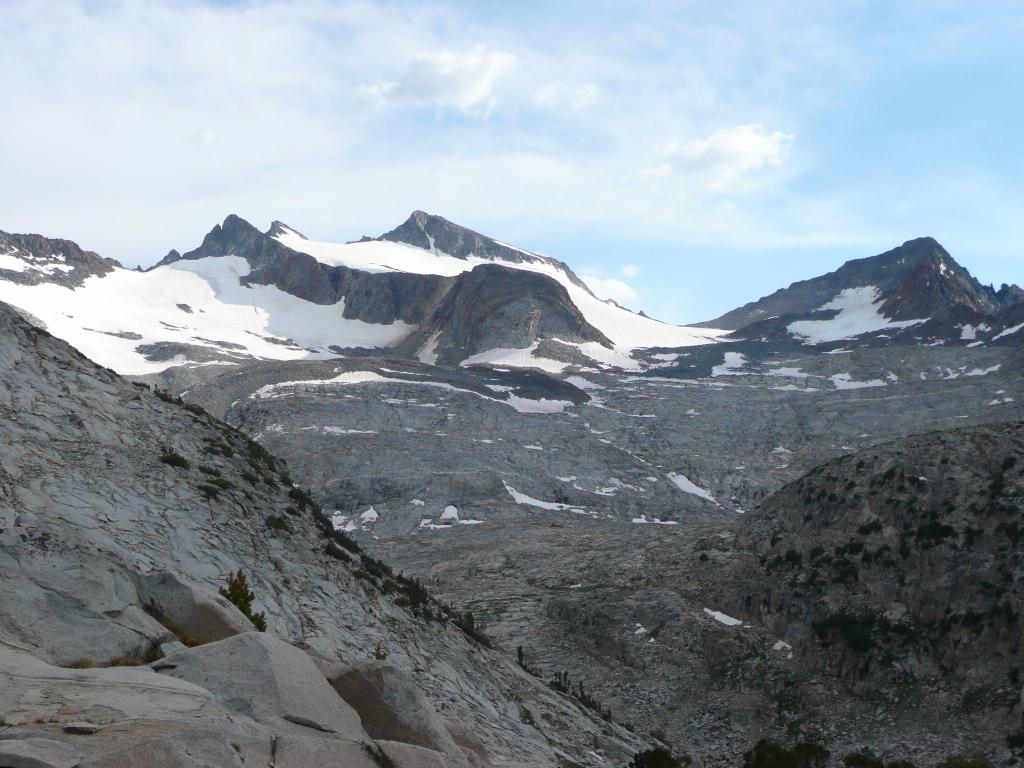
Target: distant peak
<point>171,257</point>
<point>279,228</point>
<point>234,220</point>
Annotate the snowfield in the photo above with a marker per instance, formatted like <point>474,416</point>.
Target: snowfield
<point>197,302</point>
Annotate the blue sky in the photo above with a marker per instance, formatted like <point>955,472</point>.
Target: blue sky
<point>685,157</point>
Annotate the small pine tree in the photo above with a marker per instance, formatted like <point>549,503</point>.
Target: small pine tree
<point>241,596</point>
<point>655,758</point>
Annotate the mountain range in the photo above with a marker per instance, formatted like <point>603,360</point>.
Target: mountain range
<point>797,521</point>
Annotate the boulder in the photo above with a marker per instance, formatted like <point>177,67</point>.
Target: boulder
<point>391,707</point>
<point>198,611</point>
<point>267,679</point>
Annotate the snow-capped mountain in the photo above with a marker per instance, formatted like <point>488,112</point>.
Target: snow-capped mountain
<point>914,294</point>
<point>429,290</point>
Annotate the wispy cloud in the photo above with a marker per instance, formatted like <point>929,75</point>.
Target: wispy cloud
<point>727,158</point>
<point>609,287</point>
<point>465,80</point>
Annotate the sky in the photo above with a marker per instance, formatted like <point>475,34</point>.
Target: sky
<point>683,157</point>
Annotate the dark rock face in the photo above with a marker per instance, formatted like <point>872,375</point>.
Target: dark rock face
<point>49,260</point>
<point>900,567</point>
<point>919,280</point>
<point>493,306</point>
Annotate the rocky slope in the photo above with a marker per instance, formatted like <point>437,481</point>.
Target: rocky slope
<point>570,525</point>
<point>120,515</point>
<point>916,293</point>
<point>900,570</point>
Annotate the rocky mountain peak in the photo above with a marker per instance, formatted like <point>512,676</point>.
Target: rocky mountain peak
<point>438,234</point>
<point>279,228</point>
<point>35,259</point>
<point>1010,295</point>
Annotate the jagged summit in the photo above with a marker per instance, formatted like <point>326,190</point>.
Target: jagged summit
<point>914,293</point>
<point>280,228</point>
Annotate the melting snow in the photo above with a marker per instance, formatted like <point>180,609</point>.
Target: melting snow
<point>521,404</point>
<point>686,485</point>
<point>845,381</point>
<point>858,313</point>
<point>734,361</point>
<point>428,352</point>
<point>984,371</point>
<point>582,383</point>
<point>369,516</point>
<point>1008,331</point>
<point>524,500</point>
<point>517,358</point>
<point>644,520</point>
<point>722,618</point>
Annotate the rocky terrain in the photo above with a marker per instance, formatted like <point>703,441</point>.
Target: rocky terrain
<point>657,527</point>
<point>899,569</point>
<point>121,513</point>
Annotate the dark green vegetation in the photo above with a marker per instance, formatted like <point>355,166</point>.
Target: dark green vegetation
<point>658,757</point>
<point>772,754</point>
<point>237,590</point>
<point>173,459</point>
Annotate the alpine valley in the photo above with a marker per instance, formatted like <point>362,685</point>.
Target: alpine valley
<point>490,519</point>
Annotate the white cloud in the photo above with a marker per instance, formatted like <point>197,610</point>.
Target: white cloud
<point>726,157</point>
<point>612,288</point>
<point>630,270</point>
<point>445,78</point>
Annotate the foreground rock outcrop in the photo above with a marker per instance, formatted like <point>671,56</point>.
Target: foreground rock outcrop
<point>121,513</point>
